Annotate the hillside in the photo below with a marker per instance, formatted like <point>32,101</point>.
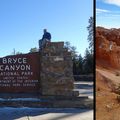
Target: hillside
<point>107,73</point>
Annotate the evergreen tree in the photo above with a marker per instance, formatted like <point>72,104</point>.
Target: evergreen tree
<point>72,49</point>
<point>74,66</point>
<point>80,65</point>
<point>74,55</point>
<point>88,62</point>
<point>90,29</point>
<point>33,50</point>
<point>16,52</point>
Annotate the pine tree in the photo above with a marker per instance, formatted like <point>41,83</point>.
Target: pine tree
<point>33,50</point>
<point>80,65</point>
<point>88,62</point>
<point>90,29</point>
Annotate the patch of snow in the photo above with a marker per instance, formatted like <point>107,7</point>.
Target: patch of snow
<point>91,97</point>
<point>25,113</point>
<point>20,99</point>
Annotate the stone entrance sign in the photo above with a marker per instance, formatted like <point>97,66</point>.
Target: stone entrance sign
<point>48,72</point>
<point>20,73</point>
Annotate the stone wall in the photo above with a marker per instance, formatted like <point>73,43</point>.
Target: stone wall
<point>56,73</point>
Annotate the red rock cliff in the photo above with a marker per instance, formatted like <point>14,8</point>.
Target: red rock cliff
<point>108,47</point>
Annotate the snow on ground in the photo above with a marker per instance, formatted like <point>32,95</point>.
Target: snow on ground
<point>25,113</point>
<point>84,88</point>
<point>20,99</point>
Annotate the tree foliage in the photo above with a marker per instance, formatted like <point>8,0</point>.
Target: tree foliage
<point>90,29</point>
<point>78,65</point>
<point>81,65</point>
<point>16,52</point>
<point>70,48</point>
<point>33,50</point>
<point>88,62</point>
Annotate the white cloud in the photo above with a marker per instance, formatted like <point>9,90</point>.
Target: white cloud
<point>114,2</point>
<point>101,11</point>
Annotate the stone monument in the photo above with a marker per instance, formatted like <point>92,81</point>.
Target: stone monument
<point>56,74</point>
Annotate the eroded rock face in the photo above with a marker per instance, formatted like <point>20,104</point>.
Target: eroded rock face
<point>108,46</point>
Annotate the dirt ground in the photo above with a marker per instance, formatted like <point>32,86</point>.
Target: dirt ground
<point>107,106</point>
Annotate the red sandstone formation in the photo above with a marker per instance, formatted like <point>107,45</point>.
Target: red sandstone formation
<point>107,73</point>
<point>108,46</point>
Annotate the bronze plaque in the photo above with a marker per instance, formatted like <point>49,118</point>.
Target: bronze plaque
<point>20,73</point>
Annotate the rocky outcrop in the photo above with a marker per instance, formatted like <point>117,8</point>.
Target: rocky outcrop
<point>107,72</point>
<point>108,47</point>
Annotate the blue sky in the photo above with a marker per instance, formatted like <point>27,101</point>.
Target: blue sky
<point>22,23</point>
<point>108,13</point>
